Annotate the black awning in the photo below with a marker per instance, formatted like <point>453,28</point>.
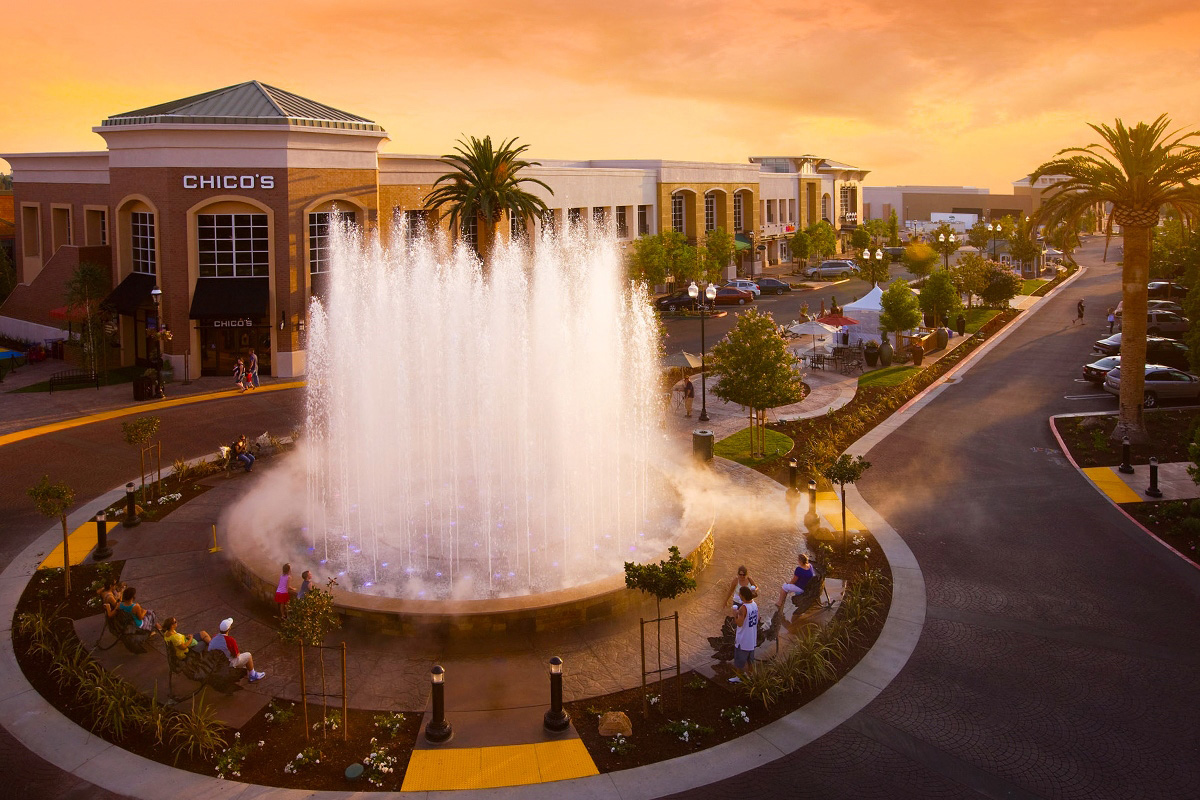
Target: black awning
<point>224,298</point>
<point>131,294</point>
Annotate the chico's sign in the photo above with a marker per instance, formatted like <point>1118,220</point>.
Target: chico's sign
<point>232,323</point>
<point>229,181</point>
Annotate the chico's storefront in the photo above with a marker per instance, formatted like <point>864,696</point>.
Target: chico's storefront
<point>231,316</point>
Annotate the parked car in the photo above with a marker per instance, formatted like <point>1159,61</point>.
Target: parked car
<point>1158,350</point>
<point>1096,370</point>
<point>677,301</point>
<point>773,286</point>
<point>1162,383</point>
<point>1153,305</point>
<point>745,285</point>
<point>1158,322</point>
<point>832,269</point>
<point>895,253</point>
<point>729,296</point>
<point>1164,290</point>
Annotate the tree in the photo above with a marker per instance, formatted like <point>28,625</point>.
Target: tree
<point>919,258</point>
<point>968,275</point>
<point>484,186</point>
<point>800,245</point>
<point>877,229</point>
<point>845,470</point>
<point>309,619</point>
<point>1022,242</point>
<point>900,310</point>
<point>86,287</point>
<point>8,275</point>
<point>648,260</point>
<point>138,433</point>
<point>939,297</point>
<point>859,238</point>
<point>979,236</point>
<point>755,369</point>
<point>1000,285</point>
<point>718,251</point>
<point>946,242</point>
<point>823,238</point>
<point>1137,170</point>
<point>1063,236</point>
<point>54,500</point>
<point>893,230</point>
<point>665,580</point>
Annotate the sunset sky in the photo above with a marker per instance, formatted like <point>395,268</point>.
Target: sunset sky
<point>969,93</point>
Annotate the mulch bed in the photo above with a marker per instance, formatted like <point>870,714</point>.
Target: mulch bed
<point>1176,522</point>
<point>1168,432</point>
<point>153,511</point>
<point>45,590</point>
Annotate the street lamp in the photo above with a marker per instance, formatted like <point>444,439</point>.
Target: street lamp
<point>942,240</point>
<point>710,293</point>
<point>156,293</point>
<point>994,232</point>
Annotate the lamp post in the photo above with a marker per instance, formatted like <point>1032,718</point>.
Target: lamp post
<point>156,293</point>
<point>945,248</point>
<point>438,730</point>
<point>710,293</point>
<point>866,256</point>
<point>556,720</point>
<point>995,232</point>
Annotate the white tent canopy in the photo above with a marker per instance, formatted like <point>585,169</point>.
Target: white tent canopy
<point>866,310</point>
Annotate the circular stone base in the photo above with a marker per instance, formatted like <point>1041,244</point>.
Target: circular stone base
<point>548,611</point>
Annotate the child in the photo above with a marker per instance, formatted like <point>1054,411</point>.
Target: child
<point>283,592</point>
<point>305,584</point>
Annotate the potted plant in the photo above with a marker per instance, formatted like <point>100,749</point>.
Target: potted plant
<point>871,353</point>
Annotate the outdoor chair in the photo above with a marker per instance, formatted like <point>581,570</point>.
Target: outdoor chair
<point>124,629</point>
<point>206,668</point>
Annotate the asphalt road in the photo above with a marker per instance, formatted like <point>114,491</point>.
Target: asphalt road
<point>1060,651</point>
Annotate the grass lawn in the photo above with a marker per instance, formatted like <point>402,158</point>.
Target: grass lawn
<point>978,317</point>
<point>117,375</point>
<point>737,447</point>
<point>888,376</point>
<point>1031,285</point>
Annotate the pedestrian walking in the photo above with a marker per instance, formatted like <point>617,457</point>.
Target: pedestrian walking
<point>689,396</point>
<point>1112,319</point>
<point>252,368</point>
<point>239,376</point>
<point>1078,312</point>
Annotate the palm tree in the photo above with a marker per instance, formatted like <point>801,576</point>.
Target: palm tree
<point>484,186</point>
<point>1136,171</point>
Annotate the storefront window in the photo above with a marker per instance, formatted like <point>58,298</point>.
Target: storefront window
<point>142,242</point>
<point>233,245</point>
<point>318,238</point>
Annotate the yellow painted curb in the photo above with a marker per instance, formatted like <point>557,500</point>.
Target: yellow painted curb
<point>1109,482</point>
<point>829,506</point>
<point>81,541</point>
<point>116,413</point>
<point>494,767</point>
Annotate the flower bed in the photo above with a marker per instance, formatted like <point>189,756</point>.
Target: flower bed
<point>1168,432</point>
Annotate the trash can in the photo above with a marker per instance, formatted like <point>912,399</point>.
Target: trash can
<point>702,445</point>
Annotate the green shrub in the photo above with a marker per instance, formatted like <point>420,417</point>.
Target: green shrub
<point>809,662</point>
<point>197,732</point>
<point>1190,526</point>
<point>763,683</point>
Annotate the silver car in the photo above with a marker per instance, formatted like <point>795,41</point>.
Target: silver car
<point>832,269</point>
<point>1162,383</point>
<point>1160,322</point>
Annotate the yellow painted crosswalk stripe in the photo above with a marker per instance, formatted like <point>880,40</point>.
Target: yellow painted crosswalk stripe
<point>81,542</point>
<point>494,767</point>
<point>1109,482</point>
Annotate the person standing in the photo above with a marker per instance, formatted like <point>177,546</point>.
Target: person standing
<point>746,638</point>
<point>1078,312</point>
<point>305,584</point>
<point>689,396</point>
<point>239,376</point>
<point>283,592</point>
<point>1112,319</point>
<point>253,370</point>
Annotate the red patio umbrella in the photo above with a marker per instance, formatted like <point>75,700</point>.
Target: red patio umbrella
<point>837,320</point>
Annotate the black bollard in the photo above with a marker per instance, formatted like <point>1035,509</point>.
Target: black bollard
<point>1125,467</point>
<point>131,518</point>
<point>556,720</point>
<point>438,730</point>
<point>1154,491</point>
<point>793,474</point>
<point>103,551</point>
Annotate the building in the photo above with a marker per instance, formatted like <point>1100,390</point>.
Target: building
<point>920,203</point>
<point>223,202</point>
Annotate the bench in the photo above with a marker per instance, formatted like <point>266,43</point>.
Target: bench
<point>124,629</point>
<point>74,377</point>
<point>207,668</point>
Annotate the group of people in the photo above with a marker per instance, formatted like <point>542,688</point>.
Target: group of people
<point>245,372</point>
<point>117,597</point>
<point>744,591</point>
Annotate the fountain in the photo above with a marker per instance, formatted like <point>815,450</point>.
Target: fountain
<point>480,442</point>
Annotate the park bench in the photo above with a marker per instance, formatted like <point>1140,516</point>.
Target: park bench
<point>124,629</point>
<point>811,595</point>
<point>74,377</point>
<point>206,668</point>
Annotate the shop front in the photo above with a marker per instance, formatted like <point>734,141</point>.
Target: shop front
<point>232,316</point>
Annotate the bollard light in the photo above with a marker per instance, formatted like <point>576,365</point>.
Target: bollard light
<point>103,551</point>
<point>793,474</point>
<point>438,730</point>
<point>1154,491</point>
<point>1125,468</point>
<point>131,518</point>
<point>556,720</point>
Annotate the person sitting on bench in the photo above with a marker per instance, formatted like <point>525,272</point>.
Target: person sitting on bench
<point>184,643</point>
<point>110,595</point>
<point>143,617</point>
<point>229,646</point>
<point>241,451</point>
<point>801,576</point>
